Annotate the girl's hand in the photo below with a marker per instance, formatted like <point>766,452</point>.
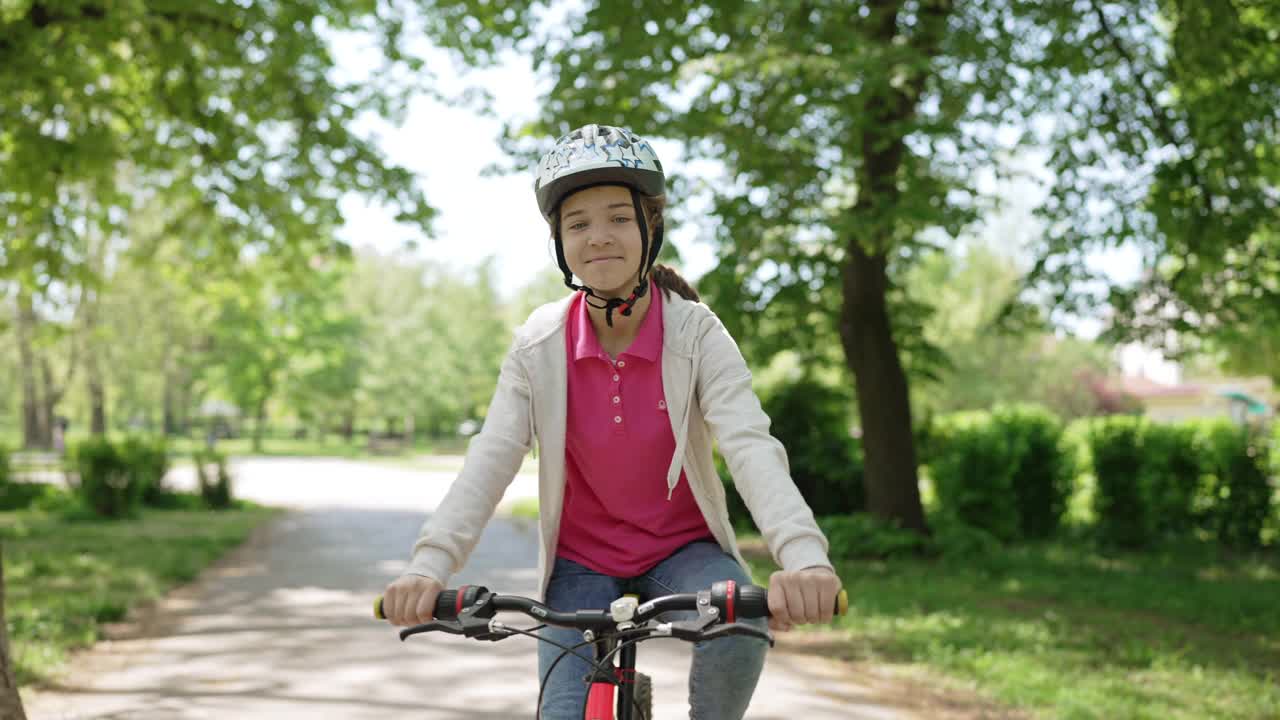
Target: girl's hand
<point>411,600</point>
<point>800,597</point>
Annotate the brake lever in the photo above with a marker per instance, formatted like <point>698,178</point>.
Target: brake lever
<point>444,626</point>
<point>708,625</point>
<point>475,621</point>
<point>484,629</point>
<point>477,628</point>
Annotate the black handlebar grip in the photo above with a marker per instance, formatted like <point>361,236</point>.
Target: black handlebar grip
<point>447,605</point>
<point>752,601</point>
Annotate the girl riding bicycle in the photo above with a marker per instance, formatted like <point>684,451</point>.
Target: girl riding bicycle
<point>624,386</point>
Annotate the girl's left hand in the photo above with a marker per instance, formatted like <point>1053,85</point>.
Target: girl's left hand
<point>800,597</point>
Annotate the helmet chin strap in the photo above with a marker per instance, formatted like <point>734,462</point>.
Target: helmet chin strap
<point>642,285</point>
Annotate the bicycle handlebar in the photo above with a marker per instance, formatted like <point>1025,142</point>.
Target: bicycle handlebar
<point>732,601</point>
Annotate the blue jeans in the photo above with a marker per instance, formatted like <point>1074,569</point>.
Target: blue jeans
<point>724,672</point>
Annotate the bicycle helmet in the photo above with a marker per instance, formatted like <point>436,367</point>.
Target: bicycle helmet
<point>602,155</point>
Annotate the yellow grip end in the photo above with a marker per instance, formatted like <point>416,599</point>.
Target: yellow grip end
<point>377,608</point>
<point>842,603</point>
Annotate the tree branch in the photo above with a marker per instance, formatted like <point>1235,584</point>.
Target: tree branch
<point>882,157</point>
<point>1165,128</point>
<point>1164,125</point>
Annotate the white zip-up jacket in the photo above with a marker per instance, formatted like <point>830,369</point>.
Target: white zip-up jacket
<point>708,391</point>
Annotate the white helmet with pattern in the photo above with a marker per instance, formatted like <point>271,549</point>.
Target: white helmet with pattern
<point>594,155</point>
<point>603,155</point>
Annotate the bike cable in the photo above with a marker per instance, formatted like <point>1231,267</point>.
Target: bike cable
<point>600,665</point>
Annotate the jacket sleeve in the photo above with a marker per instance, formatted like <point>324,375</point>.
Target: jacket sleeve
<point>493,458</point>
<point>757,460</point>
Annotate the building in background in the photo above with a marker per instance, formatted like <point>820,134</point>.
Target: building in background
<point>1163,390</point>
<point>1251,400</point>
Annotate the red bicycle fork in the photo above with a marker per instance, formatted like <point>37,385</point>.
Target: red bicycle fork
<point>602,701</point>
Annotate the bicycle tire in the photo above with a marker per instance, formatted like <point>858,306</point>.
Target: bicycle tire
<point>644,696</point>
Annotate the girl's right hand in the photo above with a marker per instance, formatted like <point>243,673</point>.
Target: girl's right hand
<point>411,600</point>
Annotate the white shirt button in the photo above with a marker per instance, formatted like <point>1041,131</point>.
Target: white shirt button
<point>616,399</point>
<point>617,418</point>
<point>622,363</point>
<point>616,378</point>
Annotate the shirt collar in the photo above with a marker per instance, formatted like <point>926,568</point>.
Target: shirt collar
<point>647,343</point>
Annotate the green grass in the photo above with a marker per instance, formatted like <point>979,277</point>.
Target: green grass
<point>1066,632</point>
<point>65,577</point>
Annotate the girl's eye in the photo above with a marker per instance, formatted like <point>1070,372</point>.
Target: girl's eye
<point>577,226</point>
<point>622,219</point>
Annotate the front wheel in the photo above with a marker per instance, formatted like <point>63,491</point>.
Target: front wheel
<point>642,708</point>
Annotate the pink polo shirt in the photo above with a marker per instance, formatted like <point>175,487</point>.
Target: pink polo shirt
<point>618,445</point>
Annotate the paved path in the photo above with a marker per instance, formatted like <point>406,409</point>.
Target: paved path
<point>281,628</point>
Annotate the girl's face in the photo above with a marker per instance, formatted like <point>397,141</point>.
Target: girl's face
<point>602,239</point>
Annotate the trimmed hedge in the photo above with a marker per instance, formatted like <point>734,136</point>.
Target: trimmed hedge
<point>1275,449</point>
<point>1120,501</point>
<point>811,420</point>
<point>1159,481</point>
<point>1171,478</point>
<point>1007,472</point>
<point>101,479</point>
<point>1240,493</point>
<point>13,495</point>
<point>113,479</point>
<point>1010,473</point>
<point>862,536</point>
<point>1043,467</point>
<point>972,465</point>
<point>148,459</point>
<point>214,478</point>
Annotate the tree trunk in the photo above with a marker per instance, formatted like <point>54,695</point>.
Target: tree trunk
<point>884,405</point>
<point>53,393</point>
<point>170,415</point>
<point>97,402</point>
<point>41,393</point>
<point>259,423</point>
<point>97,395</point>
<point>93,367</point>
<point>49,398</point>
<point>177,398</point>
<point>26,326</point>
<point>10,700</point>
<point>175,421</point>
<point>183,410</point>
<point>349,422</point>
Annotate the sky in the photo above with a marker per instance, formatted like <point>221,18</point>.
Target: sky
<point>448,148</point>
<point>496,216</point>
